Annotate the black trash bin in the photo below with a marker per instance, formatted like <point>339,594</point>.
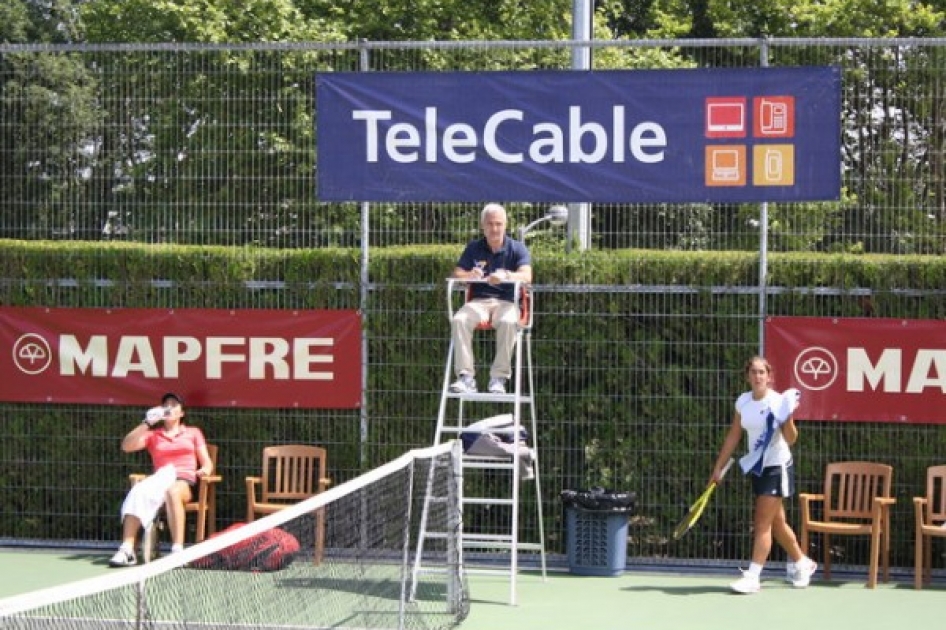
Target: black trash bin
<point>596,530</point>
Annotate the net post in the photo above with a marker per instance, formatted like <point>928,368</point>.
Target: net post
<point>455,524</point>
<point>406,546</point>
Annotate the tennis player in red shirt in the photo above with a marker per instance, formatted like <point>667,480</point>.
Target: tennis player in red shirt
<point>179,456</point>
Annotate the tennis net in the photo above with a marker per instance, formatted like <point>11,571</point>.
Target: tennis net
<point>342,559</point>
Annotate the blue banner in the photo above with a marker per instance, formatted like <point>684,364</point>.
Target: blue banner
<point>710,135</point>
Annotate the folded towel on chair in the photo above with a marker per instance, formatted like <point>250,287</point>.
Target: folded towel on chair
<point>147,496</point>
<point>494,437</point>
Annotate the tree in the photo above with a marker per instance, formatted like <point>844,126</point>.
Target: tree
<point>51,120</point>
<point>790,18</point>
<point>229,130</point>
<point>196,141</point>
<point>444,20</point>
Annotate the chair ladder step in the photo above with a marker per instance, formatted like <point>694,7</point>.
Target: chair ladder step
<point>487,397</point>
<point>479,464</point>
<point>436,535</point>
<point>488,501</point>
<point>480,543</point>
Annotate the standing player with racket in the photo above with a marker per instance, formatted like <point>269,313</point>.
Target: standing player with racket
<point>766,417</point>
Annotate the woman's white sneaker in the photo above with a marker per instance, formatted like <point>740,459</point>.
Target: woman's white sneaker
<point>801,577</point>
<point>746,585</point>
<point>123,558</point>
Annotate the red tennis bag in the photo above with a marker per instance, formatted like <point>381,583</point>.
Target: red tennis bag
<point>271,550</point>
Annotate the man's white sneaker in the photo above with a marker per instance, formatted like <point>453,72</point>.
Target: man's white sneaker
<point>746,585</point>
<point>123,558</point>
<point>803,572</point>
<point>466,384</point>
<point>497,386</point>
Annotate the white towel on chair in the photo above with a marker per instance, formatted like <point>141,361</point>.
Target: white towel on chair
<point>147,496</point>
<point>493,437</point>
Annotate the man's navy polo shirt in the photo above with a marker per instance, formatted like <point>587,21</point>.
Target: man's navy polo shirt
<point>511,256</point>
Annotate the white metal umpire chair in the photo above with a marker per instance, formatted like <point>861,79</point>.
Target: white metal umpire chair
<point>452,421</point>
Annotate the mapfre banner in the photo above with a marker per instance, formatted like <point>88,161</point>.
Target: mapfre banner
<point>860,369</point>
<point>213,358</point>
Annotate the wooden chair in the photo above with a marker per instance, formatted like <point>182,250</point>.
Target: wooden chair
<point>930,521</point>
<point>290,474</point>
<point>204,504</point>
<point>855,501</point>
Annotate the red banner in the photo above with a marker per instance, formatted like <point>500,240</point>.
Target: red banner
<point>213,358</point>
<point>859,369</point>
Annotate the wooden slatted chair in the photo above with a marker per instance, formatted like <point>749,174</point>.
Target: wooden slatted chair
<point>930,523</point>
<point>290,473</point>
<point>855,501</point>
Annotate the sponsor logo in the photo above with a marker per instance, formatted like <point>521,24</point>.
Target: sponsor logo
<point>764,119</point>
<point>31,354</point>
<point>580,141</point>
<point>260,358</point>
<point>816,368</point>
<point>889,372</point>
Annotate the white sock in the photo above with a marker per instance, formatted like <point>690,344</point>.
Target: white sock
<point>755,569</point>
<point>126,548</point>
<point>176,548</point>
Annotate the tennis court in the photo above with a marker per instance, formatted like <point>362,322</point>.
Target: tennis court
<point>645,598</point>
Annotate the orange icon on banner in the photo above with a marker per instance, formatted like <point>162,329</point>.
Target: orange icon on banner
<point>773,165</point>
<point>725,165</point>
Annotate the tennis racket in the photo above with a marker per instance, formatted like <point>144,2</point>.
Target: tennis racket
<point>696,510</point>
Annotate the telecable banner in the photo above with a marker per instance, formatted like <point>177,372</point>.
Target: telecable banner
<point>708,135</point>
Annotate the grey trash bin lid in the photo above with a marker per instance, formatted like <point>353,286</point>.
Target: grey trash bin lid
<point>599,499</point>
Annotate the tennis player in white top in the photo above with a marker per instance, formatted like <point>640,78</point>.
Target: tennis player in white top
<point>766,417</point>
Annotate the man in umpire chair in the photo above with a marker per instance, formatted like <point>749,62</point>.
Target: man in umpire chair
<point>500,261</point>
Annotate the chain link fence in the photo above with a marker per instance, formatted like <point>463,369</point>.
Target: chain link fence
<point>215,145</point>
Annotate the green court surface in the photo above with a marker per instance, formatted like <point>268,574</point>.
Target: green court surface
<point>647,599</point>
<point>25,571</point>
<point>674,601</point>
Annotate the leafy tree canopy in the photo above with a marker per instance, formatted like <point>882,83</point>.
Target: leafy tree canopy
<point>206,21</point>
<point>400,20</point>
<point>35,21</point>
<point>793,18</point>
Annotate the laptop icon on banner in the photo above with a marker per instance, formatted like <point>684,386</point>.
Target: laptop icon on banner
<point>725,165</point>
<point>726,117</point>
